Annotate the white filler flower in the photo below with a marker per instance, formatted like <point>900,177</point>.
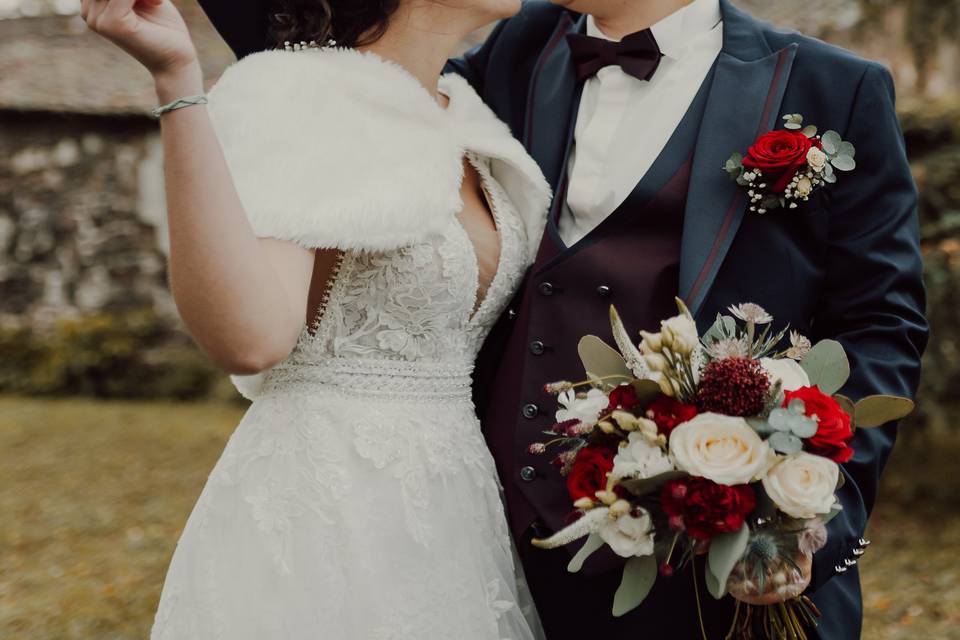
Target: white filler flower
<point>683,330</point>
<point>586,410</point>
<point>751,312</point>
<point>790,374</point>
<point>640,459</point>
<point>629,535</point>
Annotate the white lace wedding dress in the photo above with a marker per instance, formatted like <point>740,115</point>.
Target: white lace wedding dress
<point>357,499</point>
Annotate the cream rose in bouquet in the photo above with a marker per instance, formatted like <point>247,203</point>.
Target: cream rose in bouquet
<point>717,443</point>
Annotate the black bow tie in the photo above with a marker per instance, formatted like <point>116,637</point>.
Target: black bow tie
<point>638,54</point>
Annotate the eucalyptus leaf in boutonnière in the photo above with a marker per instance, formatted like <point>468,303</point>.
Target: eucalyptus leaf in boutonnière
<point>783,168</point>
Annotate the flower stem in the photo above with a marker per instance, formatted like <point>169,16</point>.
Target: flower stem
<point>787,623</point>
<point>673,545</point>
<point>684,384</point>
<point>586,383</point>
<point>696,593</point>
<point>733,625</point>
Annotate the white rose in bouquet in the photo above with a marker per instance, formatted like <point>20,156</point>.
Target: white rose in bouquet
<point>802,485</point>
<point>790,374</point>
<point>720,448</point>
<point>629,536</point>
<point>640,459</point>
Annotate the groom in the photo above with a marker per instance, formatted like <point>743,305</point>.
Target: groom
<point>633,137</point>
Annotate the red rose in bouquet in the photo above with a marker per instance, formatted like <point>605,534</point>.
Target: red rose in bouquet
<point>833,424</point>
<point>779,155</point>
<point>623,397</point>
<point>589,472</point>
<point>704,508</point>
<point>669,412</point>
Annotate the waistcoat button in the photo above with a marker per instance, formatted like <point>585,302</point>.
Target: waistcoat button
<point>546,288</point>
<point>528,474</point>
<point>512,314</point>
<point>604,291</point>
<point>537,348</point>
<point>530,411</point>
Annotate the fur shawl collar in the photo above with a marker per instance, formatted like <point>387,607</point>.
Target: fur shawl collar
<point>334,148</point>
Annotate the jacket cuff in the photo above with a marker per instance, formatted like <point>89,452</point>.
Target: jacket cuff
<point>836,558</point>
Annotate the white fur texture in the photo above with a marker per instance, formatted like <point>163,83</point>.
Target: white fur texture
<point>335,148</point>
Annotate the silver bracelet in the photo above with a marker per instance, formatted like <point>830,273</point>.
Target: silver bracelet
<point>180,103</point>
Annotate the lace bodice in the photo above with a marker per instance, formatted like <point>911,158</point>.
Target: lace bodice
<point>408,322</point>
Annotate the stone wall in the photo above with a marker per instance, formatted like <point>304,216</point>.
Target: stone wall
<point>80,199</point>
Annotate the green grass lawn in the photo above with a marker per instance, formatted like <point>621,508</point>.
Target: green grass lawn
<point>93,495</point>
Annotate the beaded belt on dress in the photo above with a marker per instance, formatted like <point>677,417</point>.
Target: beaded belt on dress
<point>393,379</point>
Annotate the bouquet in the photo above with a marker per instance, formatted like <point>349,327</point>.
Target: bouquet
<point>717,444</point>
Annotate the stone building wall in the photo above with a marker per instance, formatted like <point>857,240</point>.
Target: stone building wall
<point>80,199</point>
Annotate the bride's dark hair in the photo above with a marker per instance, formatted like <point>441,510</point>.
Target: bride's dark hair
<point>351,23</point>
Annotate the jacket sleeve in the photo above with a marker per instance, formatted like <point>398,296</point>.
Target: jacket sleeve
<point>242,25</point>
<point>873,300</point>
<point>473,64</point>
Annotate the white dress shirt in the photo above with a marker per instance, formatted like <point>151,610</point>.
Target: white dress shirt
<point>624,123</point>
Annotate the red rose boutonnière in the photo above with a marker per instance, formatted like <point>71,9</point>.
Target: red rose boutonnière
<point>783,168</point>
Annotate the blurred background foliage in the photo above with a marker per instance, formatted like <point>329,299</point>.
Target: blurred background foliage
<point>106,355</point>
<point>932,133</point>
<point>928,23</point>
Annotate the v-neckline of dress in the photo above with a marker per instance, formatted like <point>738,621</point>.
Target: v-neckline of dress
<point>478,305</point>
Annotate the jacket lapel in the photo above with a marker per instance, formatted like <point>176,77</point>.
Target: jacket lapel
<point>744,102</point>
<point>552,99</point>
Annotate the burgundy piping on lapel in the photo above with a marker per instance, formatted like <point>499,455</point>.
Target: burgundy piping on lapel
<point>739,196</point>
<point>555,39</point>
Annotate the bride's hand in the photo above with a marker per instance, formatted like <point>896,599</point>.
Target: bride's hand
<point>152,31</point>
<point>771,597</point>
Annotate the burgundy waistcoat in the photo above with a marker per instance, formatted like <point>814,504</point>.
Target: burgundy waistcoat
<point>630,260</point>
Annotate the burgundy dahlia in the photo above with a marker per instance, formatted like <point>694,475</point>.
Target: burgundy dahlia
<point>705,509</point>
<point>733,387</point>
<point>669,413</point>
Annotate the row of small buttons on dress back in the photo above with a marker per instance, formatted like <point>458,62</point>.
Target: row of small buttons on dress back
<point>530,410</point>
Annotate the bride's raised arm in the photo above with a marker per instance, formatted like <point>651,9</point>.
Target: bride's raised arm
<point>243,298</point>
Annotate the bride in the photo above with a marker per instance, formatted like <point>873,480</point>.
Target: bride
<point>350,228</point>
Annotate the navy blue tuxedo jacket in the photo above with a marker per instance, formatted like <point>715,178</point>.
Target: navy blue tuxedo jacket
<point>846,265</point>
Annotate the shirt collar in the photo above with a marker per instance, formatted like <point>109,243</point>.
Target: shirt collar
<point>675,32</point>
